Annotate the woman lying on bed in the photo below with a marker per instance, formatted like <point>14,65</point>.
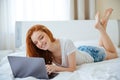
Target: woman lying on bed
<point>61,54</point>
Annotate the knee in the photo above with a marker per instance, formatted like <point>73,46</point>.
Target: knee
<point>111,55</point>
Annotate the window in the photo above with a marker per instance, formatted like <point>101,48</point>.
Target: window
<point>42,10</point>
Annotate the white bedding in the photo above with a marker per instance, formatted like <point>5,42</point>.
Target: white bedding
<point>105,70</point>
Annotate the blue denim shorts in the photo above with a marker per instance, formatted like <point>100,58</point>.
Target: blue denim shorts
<point>97,53</point>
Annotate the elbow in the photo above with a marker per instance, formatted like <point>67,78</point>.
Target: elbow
<point>72,69</point>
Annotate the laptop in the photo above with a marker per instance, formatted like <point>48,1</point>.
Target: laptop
<point>29,66</point>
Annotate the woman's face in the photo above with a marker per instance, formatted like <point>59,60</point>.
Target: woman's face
<point>41,40</point>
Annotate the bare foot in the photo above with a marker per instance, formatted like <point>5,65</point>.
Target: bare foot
<point>106,16</point>
<point>98,24</point>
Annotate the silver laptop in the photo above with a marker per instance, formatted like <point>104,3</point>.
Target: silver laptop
<point>29,66</point>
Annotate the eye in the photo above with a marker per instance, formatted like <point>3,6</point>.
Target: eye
<point>42,37</point>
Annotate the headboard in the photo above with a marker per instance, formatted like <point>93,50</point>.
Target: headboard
<point>76,30</point>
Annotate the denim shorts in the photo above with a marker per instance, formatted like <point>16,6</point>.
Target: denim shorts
<point>97,53</point>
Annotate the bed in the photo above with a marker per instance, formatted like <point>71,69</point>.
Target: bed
<point>80,32</point>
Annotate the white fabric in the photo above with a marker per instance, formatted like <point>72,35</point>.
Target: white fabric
<point>7,23</point>
<point>105,70</point>
<point>67,47</point>
<point>83,57</point>
<point>42,10</point>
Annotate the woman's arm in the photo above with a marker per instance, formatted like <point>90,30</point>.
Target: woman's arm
<point>71,67</point>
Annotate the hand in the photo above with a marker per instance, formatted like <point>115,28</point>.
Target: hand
<point>51,68</point>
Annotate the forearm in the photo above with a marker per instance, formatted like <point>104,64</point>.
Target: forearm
<point>70,69</point>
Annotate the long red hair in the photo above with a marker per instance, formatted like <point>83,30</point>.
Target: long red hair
<point>32,50</point>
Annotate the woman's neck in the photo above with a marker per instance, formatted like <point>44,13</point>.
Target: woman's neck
<point>56,52</point>
<point>55,47</point>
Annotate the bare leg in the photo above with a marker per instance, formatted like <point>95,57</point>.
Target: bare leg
<point>104,21</point>
<point>106,41</point>
<point>100,40</point>
<point>106,16</point>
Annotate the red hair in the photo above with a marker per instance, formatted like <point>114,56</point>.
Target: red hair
<point>32,50</point>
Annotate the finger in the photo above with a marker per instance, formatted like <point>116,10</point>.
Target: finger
<point>49,70</point>
<point>47,67</point>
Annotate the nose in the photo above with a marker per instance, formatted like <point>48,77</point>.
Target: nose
<point>39,45</point>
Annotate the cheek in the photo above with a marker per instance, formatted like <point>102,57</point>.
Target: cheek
<point>39,45</point>
<point>47,38</point>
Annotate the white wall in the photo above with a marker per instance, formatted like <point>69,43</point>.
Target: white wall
<point>101,5</point>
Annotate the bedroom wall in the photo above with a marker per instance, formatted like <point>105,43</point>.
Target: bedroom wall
<point>101,5</point>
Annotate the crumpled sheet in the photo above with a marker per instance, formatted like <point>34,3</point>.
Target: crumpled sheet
<point>105,70</point>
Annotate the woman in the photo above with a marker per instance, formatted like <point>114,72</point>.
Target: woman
<point>61,54</point>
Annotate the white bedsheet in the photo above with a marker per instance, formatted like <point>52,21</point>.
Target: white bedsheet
<point>105,70</point>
